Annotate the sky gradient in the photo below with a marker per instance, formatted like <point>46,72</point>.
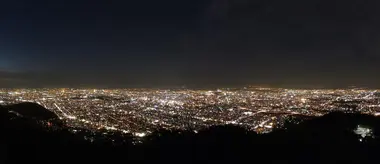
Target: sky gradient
<point>195,43</point>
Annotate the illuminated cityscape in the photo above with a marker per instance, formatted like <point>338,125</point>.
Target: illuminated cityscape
<point>142,111</point>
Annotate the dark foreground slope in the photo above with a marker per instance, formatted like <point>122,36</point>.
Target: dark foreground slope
<point>328,139</point>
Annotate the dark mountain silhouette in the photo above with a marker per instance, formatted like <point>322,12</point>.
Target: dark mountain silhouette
<point>328,139</point>
<point>32,110</point>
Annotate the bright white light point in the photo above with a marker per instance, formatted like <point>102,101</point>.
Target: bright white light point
<point>363,131</point>
<point>303,100</point>
<point>72,117</point>
<point>268,126</point>
<point>248,113</point>
<point>140,134</point>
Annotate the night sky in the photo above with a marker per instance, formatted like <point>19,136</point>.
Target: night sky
<point>193,43</point>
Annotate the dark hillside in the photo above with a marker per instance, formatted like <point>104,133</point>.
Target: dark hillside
<point>332,138</point>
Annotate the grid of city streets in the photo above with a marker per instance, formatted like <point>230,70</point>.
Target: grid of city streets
<point>143,111</point>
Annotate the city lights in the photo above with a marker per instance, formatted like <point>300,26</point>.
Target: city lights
<point>142,111</point>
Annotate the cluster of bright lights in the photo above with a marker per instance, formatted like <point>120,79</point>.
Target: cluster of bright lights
<point>363,132</point>
<point>141,111</point>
